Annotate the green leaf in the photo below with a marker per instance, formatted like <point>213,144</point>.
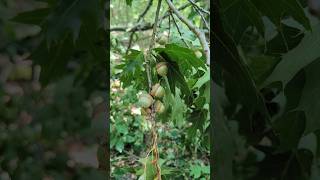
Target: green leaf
<point>176,78</point>
<point>175,104</point>
<point>35,17</point>
<point>292,62</point>
<point>80,18</point>
<point>70,16</point>
<point>178,110</point>
<point>121,128</point>
<point>224,147</point>
<point>290,128</point>
<point>309,101</point>
<point>205,169</point>
<point>198,118</point>
<point>150,171</point>
<point>195,171</point>
<point>294,165</point>
<point>202,80</point>
<point>261,67</point>
<point>184,57</point>
<point>233,72</point>
<point>119,145</point>
<point>132,69</point>
<point>238,16</point>
<point>287,39</point>
<point>53,61</point>
<point>275,11</point>
<point>129,2</point>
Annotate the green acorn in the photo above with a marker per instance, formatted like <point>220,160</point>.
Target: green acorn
<point>145,100</point>
<point>159,107</point>
<point>198,54</point>
<point>157,91</point>
<point>162,68</point>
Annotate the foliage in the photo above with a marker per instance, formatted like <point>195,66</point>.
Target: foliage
<point>265,123</point>
<point>47,126</point>
<point>71,31</point>
<point>183,128</point>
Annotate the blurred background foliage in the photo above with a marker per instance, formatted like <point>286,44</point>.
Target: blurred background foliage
<point>266,89</point>
<point>182,136</point>
<point>52,115</point>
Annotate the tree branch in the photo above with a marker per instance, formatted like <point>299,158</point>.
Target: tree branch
<point>141,27</point>
<point>138,21</point>
<point>198,7</point>
<point>177,27</point>
<point>147,59</point>
<point>202,17</point>
<point>194,29</point>
<point>148,26</point>
<point>145,10</point>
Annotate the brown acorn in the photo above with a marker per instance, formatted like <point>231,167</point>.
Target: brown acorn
<point>162,68</point>
<point>157,91</point>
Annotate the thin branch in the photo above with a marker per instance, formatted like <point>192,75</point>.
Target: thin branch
<point>148,69</point>
<point>155,25</point>
<point>177,27</point>
<point>138,21</point>
<point>169,27</point>
<point>198,7</point>
<point>202,17</point>
<point>141,27</point>
<point>148,26</point>
<point>194,29</point>
<point>145,10</point>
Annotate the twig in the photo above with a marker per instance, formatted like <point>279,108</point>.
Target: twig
<point>203,18</point>
<point>138,21</point>
<point>148,26</point>
<point>155,25</point>
<point>169,28</point>
<point>144,27</point>
<point>198,7</point>
<point>177,27</point>
<point>195,30</point>
<point>145,10</point>
<point>130,42</point>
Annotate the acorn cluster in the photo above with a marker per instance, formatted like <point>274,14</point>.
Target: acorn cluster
<point>157,92</point>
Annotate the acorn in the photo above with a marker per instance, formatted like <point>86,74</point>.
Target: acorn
<point>157,91</point>
<point>159,107</point>
<point>145,100</point>
<point>198,54</point>
<point>145,111</point>
<point>162,68</point>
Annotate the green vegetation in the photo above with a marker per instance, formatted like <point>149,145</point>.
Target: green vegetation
<point>180,93</point>
<point>266,89</point>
